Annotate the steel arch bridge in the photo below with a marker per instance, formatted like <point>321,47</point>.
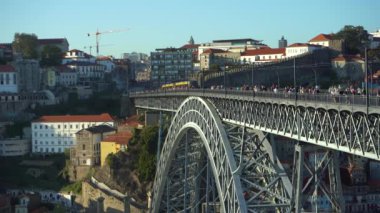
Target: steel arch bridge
<point>218,157</point>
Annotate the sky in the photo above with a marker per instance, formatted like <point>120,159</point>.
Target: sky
<point>145,25</point>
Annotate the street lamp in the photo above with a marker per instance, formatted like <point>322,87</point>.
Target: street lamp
<point>366,77</point>
<point>252,75</point>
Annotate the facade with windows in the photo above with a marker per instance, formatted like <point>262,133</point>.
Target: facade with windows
<point>14,147</point>
<point>8,79</point>
<point>298,49</point>
<point>171,64</point>
<point>54,134</point>
<point>87,150</point>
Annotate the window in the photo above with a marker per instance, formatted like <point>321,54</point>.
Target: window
<point>46,126</point>
<point>40,126</point>
<point>71,126</point>
<point>83,147</point>
<point>59,126</point>
<point>52,149</point>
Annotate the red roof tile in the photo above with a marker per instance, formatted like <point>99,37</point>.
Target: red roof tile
<point>7,68</point>
<point>190,46</point>
<point>133,121</point>
<point>322,37</point>
<point>264,51</point>
<point>105,117</point>
<point>119,138</point>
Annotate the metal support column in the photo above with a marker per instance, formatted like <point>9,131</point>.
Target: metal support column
<point>297,178</point>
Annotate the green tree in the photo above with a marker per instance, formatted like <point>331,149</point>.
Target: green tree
<point>149,137</point>
<point>26,44</point>
<point>354,38</point>
<point>51,55</point>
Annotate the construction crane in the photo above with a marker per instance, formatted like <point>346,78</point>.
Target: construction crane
<point>98,33</point>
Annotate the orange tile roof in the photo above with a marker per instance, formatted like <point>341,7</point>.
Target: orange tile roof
<point>190,46</point>
<point>119,138</point>
<point>322,37</point>
<point>133,121</point>
<point>264,51</point>
<point>105,117</point>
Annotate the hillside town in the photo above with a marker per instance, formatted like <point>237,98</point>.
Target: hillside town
<point>67,112</point>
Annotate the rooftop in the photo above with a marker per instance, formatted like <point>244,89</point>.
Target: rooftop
<point>105,117</point>
<point>264,51</point>
<point>7,68</point>
<point>119,138</point>
<point>322,37</point>
<point>100,129</point>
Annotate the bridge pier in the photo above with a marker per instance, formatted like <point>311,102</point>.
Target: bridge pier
<point>316,176</point>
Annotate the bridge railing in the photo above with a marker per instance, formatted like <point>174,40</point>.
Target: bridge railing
<point>358,100</point>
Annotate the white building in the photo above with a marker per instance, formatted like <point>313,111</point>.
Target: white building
<point>107,63</point>
<point>262,55</point>
<point>14,147</point>
<point>297,49</point>
<point>8,79</point>
<point>231,45</point>
<point>66,76</point>
<point>322,39</point>
<point>54,134</point>
<point>77,55</point>
<point>87,71</point>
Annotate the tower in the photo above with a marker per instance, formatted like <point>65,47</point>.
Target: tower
<point>191,41</point>
<point>282,43</point>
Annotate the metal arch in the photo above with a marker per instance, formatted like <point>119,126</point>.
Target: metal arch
<point>199,115</point>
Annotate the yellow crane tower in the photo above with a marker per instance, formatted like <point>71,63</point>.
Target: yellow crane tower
<point>98,33</point>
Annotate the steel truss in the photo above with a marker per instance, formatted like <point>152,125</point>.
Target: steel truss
<point>316,173</point>
<point>197,170</point>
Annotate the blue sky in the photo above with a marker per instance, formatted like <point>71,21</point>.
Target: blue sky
<point>170,23</point>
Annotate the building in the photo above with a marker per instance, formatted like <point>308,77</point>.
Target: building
<point>6,52</point>
<point>61,43</point>
<point>87,72</point>
<point>107,62</point>
<point>282,43</point>
<point>28,75</point>
<point>65,76</point>
<point>28,203</point>
<point>54,134</point>
<point>143,76</point>
<point>298,49</point>
<point>113,144</point>
<point>231,45</point>
<point>218,59</point>
<point>349,67</point>
<point>5,204</point>
<point>13,104</point>
<point>87,150</point>
<point>48,77</point>
<point>14,147</point>
<point>77,55</point>
<point>171,64</point>
<point>262,55</point>
<point>327,40</point>
<point>8,79</point>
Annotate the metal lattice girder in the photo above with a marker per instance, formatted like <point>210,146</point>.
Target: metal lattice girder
<point>316,173</point>
<point>199,115</point>
<point>265,183</point>
<point>342,127</point>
